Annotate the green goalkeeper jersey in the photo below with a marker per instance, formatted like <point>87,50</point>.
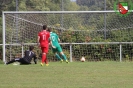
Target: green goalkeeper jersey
<point>54,38</point>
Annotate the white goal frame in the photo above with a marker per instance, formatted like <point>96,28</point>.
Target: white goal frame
<point>56,12</point>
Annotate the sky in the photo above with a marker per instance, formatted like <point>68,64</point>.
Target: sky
<point>73,0</point>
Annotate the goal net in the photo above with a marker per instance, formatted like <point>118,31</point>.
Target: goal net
<point>83,33</point>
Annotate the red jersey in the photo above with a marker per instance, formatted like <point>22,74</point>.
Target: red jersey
<point>44,38</point>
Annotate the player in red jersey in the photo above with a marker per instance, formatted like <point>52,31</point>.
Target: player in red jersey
<point>43,42</point>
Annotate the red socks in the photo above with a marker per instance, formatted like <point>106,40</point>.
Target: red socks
<point>44,59</point>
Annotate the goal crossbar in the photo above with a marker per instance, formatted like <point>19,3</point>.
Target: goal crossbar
<point>56,12</point>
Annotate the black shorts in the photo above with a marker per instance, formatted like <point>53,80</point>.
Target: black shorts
<point>22,61</point>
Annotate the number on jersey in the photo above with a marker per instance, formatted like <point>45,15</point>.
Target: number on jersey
<point>44,37</point>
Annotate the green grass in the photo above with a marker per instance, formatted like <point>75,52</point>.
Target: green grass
<point>73,75</point>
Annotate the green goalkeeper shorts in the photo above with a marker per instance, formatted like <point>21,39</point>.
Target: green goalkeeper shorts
<point>57,49</point>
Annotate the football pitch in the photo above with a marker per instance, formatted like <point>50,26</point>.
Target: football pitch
<point>106,74</point>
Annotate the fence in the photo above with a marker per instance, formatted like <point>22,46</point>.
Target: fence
<point>93,51</point>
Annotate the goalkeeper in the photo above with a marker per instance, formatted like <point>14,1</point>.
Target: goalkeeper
<point>56,48</point>
<point>29,54</point>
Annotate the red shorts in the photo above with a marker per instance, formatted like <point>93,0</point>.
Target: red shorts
<point>44,49</point>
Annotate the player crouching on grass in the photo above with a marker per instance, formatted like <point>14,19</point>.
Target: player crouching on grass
<point>56,48</point>
<point>26,60</point>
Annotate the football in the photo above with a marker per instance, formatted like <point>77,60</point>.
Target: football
<point>82,59</point>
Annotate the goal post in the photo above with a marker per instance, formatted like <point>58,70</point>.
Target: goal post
<point>76,29</point>
<point>4,29</point>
